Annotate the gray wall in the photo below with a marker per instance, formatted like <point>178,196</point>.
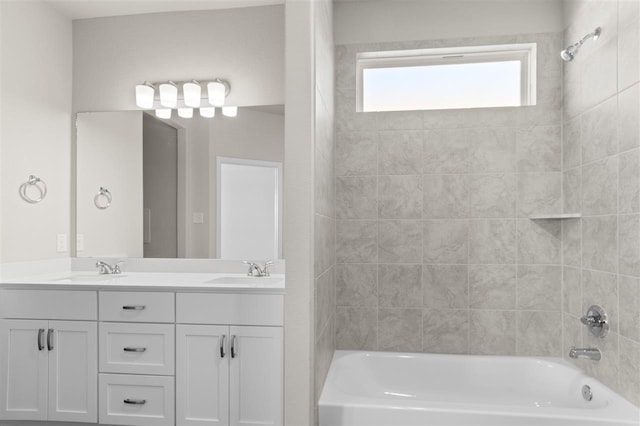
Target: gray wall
<point>324,189</point>
<point>435,251</point>
<point>601,174</point>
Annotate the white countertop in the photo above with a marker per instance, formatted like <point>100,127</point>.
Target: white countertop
<point>148,281</point>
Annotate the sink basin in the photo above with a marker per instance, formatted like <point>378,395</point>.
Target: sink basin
<point>89,278</point>
<point>245,280</point>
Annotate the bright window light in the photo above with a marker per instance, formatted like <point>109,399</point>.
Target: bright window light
<point>474,77</point>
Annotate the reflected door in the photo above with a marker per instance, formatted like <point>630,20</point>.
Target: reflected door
<point>248,207</point>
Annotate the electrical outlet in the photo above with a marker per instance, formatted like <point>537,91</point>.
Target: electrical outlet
<point>61,243</point>
<point>80,242</point>
<point>198,218</point>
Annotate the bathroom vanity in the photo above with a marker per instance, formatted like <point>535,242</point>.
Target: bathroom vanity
<point>152,349</point>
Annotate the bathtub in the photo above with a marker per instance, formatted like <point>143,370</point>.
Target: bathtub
<point>398,389</point>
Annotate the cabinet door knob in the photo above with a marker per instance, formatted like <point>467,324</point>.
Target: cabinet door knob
<point>130,349</point>
<point>50,339</point>
<point>233,346</point>
<point>135,401</point>
<point>133,307</point>
<point>41,339</point>
<point>222,354</point>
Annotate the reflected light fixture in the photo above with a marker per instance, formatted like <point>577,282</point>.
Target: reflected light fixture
<point>191,92</point>
<point>217,91</point>
<point>208,112</point>
<point>230,111</point>
<point>144,95</point>
<point>185,112</point>
<point>163,113</point>
<point>169,95</point>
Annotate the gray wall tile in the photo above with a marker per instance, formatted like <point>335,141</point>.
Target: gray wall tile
<point>493,150</point>
<point>598,130</point>
<point>445,286</point>
<point>539,149</point>
<point>492,195</point>
<point>357,241</point>
<point>628,123</point>
<point>400,197</point>
<point>400,153</point>
<point>357,153</point>
<point>446,196</point>
<point>600,243</point>
<point>493,333</point>
<point>539,193</point>
<point>492,241</point>
<point>400,286</point>
<point>600,187</point>
<point>446,241</point>
<point>356,328</point>
<point>357,197</point>
<point>400,241</point>
<point>629,245</point>
<point>538,333</point>
<point>629,181</point>
<point>540,287</point>
<point>492,287</point>
<point>356,285</point>
<point>539,241</point>
<point>400,329</point>
<point>446,151</point>
<point>445,331</point>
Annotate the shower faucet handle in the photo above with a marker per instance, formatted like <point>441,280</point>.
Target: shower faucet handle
<point>596,321</point>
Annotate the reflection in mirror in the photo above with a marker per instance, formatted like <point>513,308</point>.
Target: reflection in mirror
<point>162,178</point>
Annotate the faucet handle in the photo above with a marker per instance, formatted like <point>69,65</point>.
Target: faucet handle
<point>265,270</point>
<point>116,267</point>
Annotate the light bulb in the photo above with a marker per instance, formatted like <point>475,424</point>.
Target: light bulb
<point>168,95</point>
<point>185,112</point>
<point>191,92</point>
<point>163,113</point>
<point>230,111</point>
<point>207,112</point>
<point>144,95</point>
<point>217,92</point>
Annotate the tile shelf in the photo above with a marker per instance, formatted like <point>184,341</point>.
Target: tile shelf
<point>555,216</point>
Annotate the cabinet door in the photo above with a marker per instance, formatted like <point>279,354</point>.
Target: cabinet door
<point>202,375</point>
<point>256,376</point>
<point>73,371</point>
<point>23,379</point>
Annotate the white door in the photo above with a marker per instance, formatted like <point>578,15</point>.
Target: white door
<point>202,375</point>
<point>23,379</point>
<point>256,376</point>
<point>73,371</point>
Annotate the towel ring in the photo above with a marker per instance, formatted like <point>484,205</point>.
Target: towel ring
<point>102,200</point>
<point>36,182</point>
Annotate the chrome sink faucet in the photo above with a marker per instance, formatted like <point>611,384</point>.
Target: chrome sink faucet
<point>591,353</point>
<point>105,268</point>
<point>256,271</point>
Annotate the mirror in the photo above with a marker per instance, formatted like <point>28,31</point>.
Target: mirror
<point>181,188</point>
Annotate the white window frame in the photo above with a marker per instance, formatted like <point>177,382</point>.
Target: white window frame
<point>525,53</point>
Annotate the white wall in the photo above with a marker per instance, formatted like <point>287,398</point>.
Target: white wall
<point>385,20</point>
<point>35,127</point>
<point>244,46</point>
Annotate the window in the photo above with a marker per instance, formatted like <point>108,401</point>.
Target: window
<point>446,78</point>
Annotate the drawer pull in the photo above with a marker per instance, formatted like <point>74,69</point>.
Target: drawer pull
<point>129,349</point>
<point>50,339</point>
<point>233,346</point>
<point>135,401</point>
<point>134,307</point>
<point>41,339</point>
<point>222,354</point>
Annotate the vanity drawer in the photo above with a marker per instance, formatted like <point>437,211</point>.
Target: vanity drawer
<point>236,309</point>
<point>49,304</point>
<point>150,400</point>
<point>136,306</point>
<point>137,348</point>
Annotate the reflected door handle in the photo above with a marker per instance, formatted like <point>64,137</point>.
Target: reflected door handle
<point>135,401</point>
<point>134,307</point>
<point>130,349</point>
<point>222,354</point>
<point>41,339</point>
<point>50,339</point>
<point>233,346</point>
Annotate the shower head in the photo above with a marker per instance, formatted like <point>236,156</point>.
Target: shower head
<point>570,52</point>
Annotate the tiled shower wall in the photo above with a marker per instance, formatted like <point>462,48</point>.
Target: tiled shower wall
<point>601,170</point>
<point>435,251</point>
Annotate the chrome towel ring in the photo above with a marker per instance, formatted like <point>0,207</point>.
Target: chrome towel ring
<point>36,182</point>
<point>102,200</point>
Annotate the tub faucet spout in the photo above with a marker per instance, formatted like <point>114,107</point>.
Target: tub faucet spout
<point>591,353</point>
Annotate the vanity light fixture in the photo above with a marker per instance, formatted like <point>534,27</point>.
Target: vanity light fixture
<point>144,95</point>
<point>191,92</point>
<point>185,112</point>
<point>163,113</point>
<point>230,111</point>
<point>192,97</point>
<point>208,112</point>
<point>169,95</point>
